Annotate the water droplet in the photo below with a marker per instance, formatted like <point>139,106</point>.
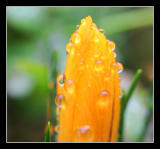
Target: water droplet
<point>70,87</point>
<point>60,100</point>
<point>107,76</point>
<point>56,128</point>
<point>61,79</point>
<point>77,26</point>
<point>76,38</point>
<point>81,67</point>
<point>103,56</point>
<point>94,27</point>
<point>96,39</point>
<point>114,67</point>
<point>111,45</point>
<point>114,54</point>
<point>99,65</point>
<point>96,54</point>
<point>120,67</point>
<point>83,21</point>
<point>83,134</point>
<point>69,47</point>
<point>104,98</point>
<point>101,30</point>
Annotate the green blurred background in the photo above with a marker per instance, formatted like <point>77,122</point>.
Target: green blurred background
<point>36,39</point>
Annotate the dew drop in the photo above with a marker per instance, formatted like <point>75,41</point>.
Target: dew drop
<point>60,100</point>
<point>69,47</point>
<point>114,67</point>
<point>70,87</point>
<point>83,134</point>
<point>61,79</point>
<point>111,45</point>
<point>81,65</point>
<point>104,97</point>
<point>96,55</point>
<point>96,39</point>
<point>99,65</point>
<point>120,67</point>
<point>114,54</point>
<point>101,30</point>
<point>76,38</point>
<point>107,76</point>
<point>83,21</point>
<point>56,128</point>
<point>77,26</point>
<point>103,56</point>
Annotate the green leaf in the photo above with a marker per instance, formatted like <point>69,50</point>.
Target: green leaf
<point>47,133</point>
<point>124,100</point>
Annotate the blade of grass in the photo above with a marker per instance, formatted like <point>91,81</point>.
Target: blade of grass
<point>124,100</point>
<point>47,137</point>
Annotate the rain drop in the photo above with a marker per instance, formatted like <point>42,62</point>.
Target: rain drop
<point>70,87</point>
<point>96,39</point>
<point>114,54</point>
<point>76,38</point>
<point>107,76</point>
<point>120,67</point>
<point>61,79</point>
<point>77,26</point>
<point>99,65</point>
<point>69,47</point>
<point>83,134</point>
<point>111,45</point>
<point>81,65</point>
<point>101,30</point>
<point>60,100</point>
<point>104,97</point>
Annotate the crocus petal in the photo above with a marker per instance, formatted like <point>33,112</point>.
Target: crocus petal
<point>88,92</point>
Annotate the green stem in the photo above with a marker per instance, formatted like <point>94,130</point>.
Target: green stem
<point>124,100</point>
<point>47,137</point>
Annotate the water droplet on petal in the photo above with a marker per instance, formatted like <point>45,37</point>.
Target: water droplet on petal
<point>76,38</point>
<point>56,128</point>
<point>96,54</point>
<point>77,26</point>
<point>96,39</point>
<point>101,30</point>
<point>70,87</point>
<point>81,65</point>
<point>83,134</point>
<point>120,67</point>
<point>60,100</point>
<point>111,45</point>
<point>114,67</point>
<point>61,79</point>
<point>114,54</point>
<point>99,65</point>
<point>103,56</point>
<point>69,47</point>
<point>83,22</point>
<point>104,98</point>
<point>107,76</point>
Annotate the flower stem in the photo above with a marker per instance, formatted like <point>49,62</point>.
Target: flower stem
<point>124,100</point>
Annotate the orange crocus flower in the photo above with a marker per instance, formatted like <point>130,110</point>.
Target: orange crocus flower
<point>88,92</point>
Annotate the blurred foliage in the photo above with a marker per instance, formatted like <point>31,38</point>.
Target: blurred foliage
<point>36,39</point>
